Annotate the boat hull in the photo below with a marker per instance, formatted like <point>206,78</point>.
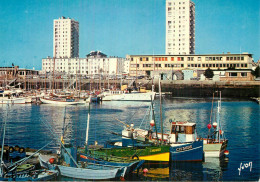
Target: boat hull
<point>131,166</point>
<point>187,152</point>
<point>148,153</point>
<point>12,101</point>
<point>215,149</point>
<point>57,102</point>
<point>91,174</point>
<point>130,97</point>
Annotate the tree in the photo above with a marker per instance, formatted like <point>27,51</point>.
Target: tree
<point>209,73</point>
<point>256,72</point>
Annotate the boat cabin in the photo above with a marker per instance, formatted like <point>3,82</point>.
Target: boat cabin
<point>182,132</point>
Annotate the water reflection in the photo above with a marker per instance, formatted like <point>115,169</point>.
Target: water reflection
<point>240,122</point>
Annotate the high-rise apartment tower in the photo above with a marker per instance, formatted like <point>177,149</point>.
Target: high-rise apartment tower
<point>65,38</point>
<point>180,27</point>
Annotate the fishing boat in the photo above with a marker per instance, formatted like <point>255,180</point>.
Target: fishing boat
<point>82,170</point>
<point>215,145</point>
<point>139,152</point>
<point>131,164</point>
<point>131,148</point>
<point>68,166</point>
<point>182,139</point>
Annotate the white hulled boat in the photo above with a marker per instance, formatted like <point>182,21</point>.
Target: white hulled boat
<point>9,97</point>
<point>127,95</point>
<point>60,101</point>
<point>215,144</point>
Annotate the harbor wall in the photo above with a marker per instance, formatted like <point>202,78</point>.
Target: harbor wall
<point>178,88</point>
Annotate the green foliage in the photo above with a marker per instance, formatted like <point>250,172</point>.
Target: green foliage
<point>256,72</point>
<point>209,73</point>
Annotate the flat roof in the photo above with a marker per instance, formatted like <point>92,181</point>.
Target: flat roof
<point>224,54</point>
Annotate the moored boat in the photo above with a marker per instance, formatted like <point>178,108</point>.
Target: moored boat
<point>215,145</point>
<point>131,164</point>
<point>127,95</point>
<point>60,101</point>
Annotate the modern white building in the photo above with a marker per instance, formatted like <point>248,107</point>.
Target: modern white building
<point>65,38</point>
<point>95,63</point>
<point>180,27</point>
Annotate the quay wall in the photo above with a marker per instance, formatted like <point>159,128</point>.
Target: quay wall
<point>178,88</point>
<point>232,89</point>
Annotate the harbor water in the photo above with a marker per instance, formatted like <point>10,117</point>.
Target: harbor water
<point>32,125</point>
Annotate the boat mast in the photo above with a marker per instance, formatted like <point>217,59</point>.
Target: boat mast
<point>218,123</point>
<point>161,108</point>
<point>153,117</point>
<point>53,71</point>
<point>87,129</point>
<point>3,144</point>
<point>63,128</point>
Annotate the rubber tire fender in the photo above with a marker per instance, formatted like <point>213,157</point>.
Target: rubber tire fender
<point>11,149</point>
<point>21,150</point>
<point>135,156</point>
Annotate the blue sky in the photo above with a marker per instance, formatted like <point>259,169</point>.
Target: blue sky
<point>120,27</point>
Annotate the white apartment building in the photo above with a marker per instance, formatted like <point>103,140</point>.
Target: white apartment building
<point>91,65</point>
<point>180,27</point>
<point>65,38</point>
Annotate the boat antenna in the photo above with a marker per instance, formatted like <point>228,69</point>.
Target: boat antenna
<point>160,92</point>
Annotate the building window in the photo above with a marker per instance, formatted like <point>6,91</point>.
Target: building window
<point>233,74</point>
<point>244,74</point>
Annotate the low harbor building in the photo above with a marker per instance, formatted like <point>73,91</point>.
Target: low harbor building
<point>145,65</point>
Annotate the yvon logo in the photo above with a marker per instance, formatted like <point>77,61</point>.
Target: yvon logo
<point>245,165</point>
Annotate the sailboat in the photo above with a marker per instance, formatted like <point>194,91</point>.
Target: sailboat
<point>215,144</point>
